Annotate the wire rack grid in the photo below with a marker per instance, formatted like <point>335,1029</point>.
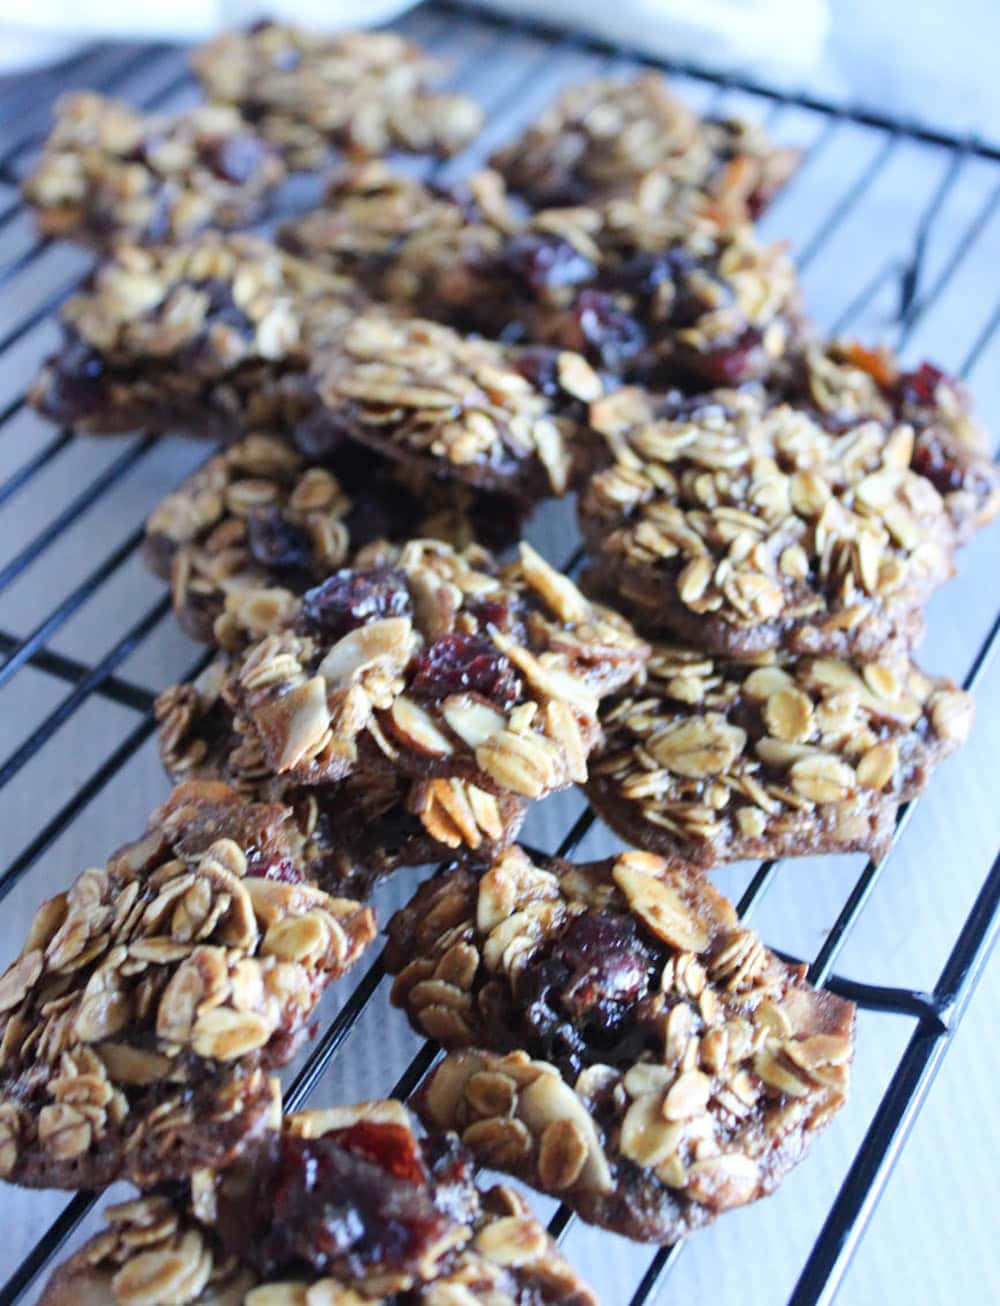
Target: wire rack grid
<point>889,221</point>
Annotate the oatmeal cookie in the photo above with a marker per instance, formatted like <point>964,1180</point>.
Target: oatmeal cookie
<point>152,998</point>
<point>843,382</point>
<point>309,93</point>
<point>618,1039</point>
<point>214,337</point>
<point>108,174</point>
<point>421,393</point>
<point>741,525</point>
<point>714,760</point>
<point>355,831</point>
<point>631,136</point>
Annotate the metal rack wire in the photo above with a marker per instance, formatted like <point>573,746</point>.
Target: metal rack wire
<point>156,76</point>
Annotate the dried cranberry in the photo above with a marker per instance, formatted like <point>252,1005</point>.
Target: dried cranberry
<point>352,598</point>
<point>578,998</point>
<point>932,460</point>
<point>732,364</point>
<point>391,1147</point>
<point>460,663</point>
<point>610,335</point>
<point>544,261</point>
<point>276,542</point>
<point>325,1205</point>
<point>234,158</point>
<point>920,386</point>
<point>490,612</point>
<point>283,870</point>
<point>644,272</point>
<point>78,385</point>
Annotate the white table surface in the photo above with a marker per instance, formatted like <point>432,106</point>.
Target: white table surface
<point>934,1237</point>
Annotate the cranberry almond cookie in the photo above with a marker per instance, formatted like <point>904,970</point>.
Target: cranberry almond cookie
<point>260,522</point>
<point>214,336</point>
<point>150,1000</point>
<point>621,1042</point>
<point>630,136</point>
<point>354,831</point>
<point>108,174</point>
<point>740,525</point>
<point>642,293</point>
<point>844,382</point>
<point>312,92</point>
<point>421,393</point>
<point>347,1206</point>
<point>715,760</point>
<point>435,663</point>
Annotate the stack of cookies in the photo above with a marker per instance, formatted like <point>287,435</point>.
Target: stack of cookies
<point>399,379</point>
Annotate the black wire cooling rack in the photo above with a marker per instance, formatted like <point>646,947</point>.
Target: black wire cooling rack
<point>514,70</point>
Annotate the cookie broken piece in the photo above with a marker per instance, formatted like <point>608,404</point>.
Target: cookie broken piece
<point>214,337</point>
<point>715,761</point>
<point>499,419</point>
<point>310,93</point>
<point>845,382</point>
<point>740,525</point>
<point>347,1205</point>
<point>631,136</point>
<point>641,294</point>
<point>435,664</point>
<point>152,998</point>
<point>261,522</point>
<point>109,174</point>
<point>355,831</point>
<point>619,1040</point>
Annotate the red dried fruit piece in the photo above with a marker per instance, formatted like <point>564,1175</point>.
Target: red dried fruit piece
<point>353,598</point>
<point>920,386</point>
<point>283,869</point>
<point>609,335</point>
<point>317,1205</point>
<point>460,664</point>
<point>391,1147</point>
<point>580,991</point>
<point>274,541</point>
<point>544,261</point>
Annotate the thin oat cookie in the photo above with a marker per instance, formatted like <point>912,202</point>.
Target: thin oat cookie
<point>108,174</point>
<point>643,294</point>
<point>151,999</point>
<point>355,831</point>
<point>631,137</point>
<point>843,382</point>
<point>417,391</point>
<point>433,663</point>
<point>214,337</point>
<point>312,93</point>
<point>715,760</point>
<point>345,1207</point>
<point>741,525</point>
<point>618,1040</point>
<point>261,522</point>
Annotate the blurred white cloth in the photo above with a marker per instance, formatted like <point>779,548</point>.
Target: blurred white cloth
<point>719,32</point>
